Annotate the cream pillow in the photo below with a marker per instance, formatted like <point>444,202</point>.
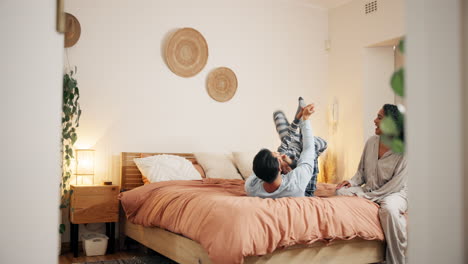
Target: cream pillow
<point>217,165</point>
<point>166,168</point>
<point>244,163</point>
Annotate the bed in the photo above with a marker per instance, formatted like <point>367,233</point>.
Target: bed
<point>185,250</point>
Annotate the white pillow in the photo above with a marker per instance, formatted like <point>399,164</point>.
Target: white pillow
<point>244,163</point>
<point>217,165</point>
<point>166,168</point>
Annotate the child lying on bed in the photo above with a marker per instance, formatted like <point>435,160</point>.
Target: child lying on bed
<point>273,176</point>
<point>291,144</point>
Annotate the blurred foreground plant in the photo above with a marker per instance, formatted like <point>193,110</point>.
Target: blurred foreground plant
<point>393,134</point>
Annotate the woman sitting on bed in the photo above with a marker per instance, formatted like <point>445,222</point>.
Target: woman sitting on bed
<point>381,177</point>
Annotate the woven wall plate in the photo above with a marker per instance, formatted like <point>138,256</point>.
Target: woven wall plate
<point>186,52</point>
<point>72,30</point>
<point>222,84</point>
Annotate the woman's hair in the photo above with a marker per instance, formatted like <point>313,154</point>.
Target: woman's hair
<point>393,112</point>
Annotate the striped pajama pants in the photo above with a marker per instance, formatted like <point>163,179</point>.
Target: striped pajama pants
<point>291,145</point>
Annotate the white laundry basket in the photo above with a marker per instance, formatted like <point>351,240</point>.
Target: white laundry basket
<point>94,244</point>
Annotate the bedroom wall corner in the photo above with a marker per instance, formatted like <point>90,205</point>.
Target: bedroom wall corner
<point>378,67</point>
<point>350,32</point>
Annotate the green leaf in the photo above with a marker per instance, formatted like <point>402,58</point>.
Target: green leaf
<point>67,110</point>
<point>398,82</point>
<point>70,85</point>
<point>62,228</point>
<point>401,46</point>
<point>70,120</point>
<point>388,126</point>
<point>398,146</point>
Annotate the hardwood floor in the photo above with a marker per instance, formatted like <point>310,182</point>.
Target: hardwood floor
<point>68,258</point>
<point>133,249</point>
<point>128,249</point>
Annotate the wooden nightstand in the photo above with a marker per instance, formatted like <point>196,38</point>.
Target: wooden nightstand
<point>93,204</point>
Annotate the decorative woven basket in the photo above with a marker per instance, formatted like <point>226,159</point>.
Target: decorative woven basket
<point>222,84</point>
<point>72,30</point>
<point>186,52</point>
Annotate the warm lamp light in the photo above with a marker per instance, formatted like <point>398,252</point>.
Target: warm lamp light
<point>84,166</point>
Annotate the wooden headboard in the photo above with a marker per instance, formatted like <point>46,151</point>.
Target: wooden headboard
<point>130,175</point>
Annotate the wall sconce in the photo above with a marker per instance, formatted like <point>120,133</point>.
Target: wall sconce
<point>84,167</point>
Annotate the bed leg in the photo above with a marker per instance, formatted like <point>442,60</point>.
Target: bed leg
<point>121,242</point>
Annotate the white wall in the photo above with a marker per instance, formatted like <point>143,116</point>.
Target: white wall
<point>378,67</point>
<point>434,132</point>
<point>351,31</point>
<point>131,101</point>
<point>31,53</point>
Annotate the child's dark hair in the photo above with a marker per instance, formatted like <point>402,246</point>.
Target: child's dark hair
<point>266,166</point>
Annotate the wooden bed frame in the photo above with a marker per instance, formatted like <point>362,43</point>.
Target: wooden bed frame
<point>186,251</point>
